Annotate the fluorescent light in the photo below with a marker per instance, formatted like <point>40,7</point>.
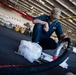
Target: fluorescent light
<point>70,20</point>
<point>49,2</point>
<point>66,6</point>
<point>70,0</point>
<point>73,34</point>
<point>69,31</point>
<point>39,6</point>
<point>41,13</point>
<point>73,2</point>
<point>32,7</point>
<point>10,6</point>
<point>66,13</point>
<point>41,1</point>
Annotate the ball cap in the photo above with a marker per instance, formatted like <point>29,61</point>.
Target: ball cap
<point>57,13</point>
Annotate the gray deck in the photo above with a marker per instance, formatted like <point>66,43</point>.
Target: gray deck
<point>9,42</point>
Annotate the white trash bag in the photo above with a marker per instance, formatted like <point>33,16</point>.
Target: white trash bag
<point>31,51</point>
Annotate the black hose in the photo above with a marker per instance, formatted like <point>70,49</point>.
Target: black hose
<point>23,70</point>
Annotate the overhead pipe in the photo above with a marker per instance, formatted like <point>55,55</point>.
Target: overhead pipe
<point>27,16</point>
<point>23,14</point>
<point>74,40</point>
<point>67,18</point>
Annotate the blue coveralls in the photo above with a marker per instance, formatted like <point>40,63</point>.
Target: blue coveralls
<point>43,37</point>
